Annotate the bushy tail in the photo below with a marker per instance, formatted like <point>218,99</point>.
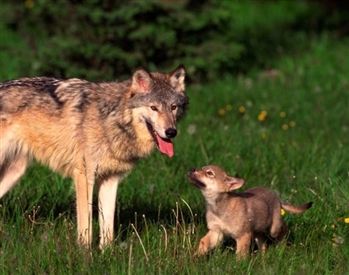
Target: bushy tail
<point>295,209</point>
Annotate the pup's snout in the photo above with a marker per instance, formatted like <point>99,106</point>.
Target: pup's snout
<point>171,132</point>
<point>194,178</point>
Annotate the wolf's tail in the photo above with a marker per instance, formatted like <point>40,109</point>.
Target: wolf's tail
<point>295,209</point>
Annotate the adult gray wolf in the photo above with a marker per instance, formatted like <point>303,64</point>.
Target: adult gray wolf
<point>244,216</point>
<point>92,132</point>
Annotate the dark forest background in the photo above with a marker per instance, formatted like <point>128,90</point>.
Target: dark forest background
<point>108,39</point>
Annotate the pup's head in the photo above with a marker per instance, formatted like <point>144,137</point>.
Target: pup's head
<point>212,179</point>
<point>159,102</point>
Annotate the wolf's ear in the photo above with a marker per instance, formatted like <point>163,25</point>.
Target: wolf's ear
<point>234,183</point>
<point>141,80</point>
<point>177,79</point>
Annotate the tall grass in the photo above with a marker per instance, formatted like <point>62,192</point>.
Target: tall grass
<point>286,129</point>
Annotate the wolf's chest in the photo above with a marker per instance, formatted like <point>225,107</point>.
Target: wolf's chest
<point>231,226</point>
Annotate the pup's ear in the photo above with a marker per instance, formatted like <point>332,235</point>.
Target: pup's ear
<point>141,81</point>
<point>234,183</point>
<point>177,79</point>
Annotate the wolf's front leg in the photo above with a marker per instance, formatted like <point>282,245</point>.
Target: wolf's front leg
<point>243,245</point>
<point>208,242</point>
<point>106,198</point>
<point>84,192</point>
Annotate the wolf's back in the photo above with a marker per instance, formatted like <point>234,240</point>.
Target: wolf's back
<point>45,93</point>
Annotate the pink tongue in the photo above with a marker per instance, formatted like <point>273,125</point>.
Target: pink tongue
<point>165,146</point>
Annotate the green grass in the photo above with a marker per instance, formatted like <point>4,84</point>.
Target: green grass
<point>299,149</point>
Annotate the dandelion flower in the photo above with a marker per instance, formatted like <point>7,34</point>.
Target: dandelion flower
<point>284,126</point>
<point>262,115</point>
<point>346,220</point>
<point>221,112</point>
<point>242,109</point>
<point>292,123</point>
<point>282,212</point>
<point>191,129</point>
<point>282,114</point>
<point>333,226</point>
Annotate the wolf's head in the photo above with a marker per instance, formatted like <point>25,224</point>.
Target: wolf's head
<point>213,180</point>
<point>159,101</point>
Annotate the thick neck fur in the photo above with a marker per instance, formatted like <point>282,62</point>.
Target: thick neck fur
<point>126,138</point>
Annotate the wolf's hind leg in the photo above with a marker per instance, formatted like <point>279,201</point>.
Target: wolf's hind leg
<point>11,171</point>
<point>278,229</point>
<point>84,190</point>
<point>261,242</point>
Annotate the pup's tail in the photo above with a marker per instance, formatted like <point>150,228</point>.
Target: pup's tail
<point>295,209</point>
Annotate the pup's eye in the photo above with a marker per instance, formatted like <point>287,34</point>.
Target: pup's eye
<point>209,173</point>
<point>174,107</point>
<point>153,108</point>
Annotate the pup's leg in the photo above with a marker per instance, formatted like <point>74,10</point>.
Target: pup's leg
<point>10,173</point>
<point>243,244</point>
<point>208,242</point>
<point>84,191</point>
<point>282,232</point>
<point>261,242</point>
<point>106,199</point>
<point>278,229</point>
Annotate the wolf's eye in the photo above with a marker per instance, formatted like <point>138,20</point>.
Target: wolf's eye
<point>153,108</point>
<point>209,173</point>
<point>174,107</point>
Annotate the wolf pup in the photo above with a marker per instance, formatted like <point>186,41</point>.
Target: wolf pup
<point>244,216</point>
<point>92,132</point>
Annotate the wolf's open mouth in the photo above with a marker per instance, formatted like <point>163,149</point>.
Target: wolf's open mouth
<point>164,145</point>
<point>196,182</point>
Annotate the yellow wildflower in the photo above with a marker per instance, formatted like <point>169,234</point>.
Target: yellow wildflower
<point>228,107</point>
<point>333,226</point>
<point>221,112</point>
<point>284,126</point>
<point>242,109</point>
<point>282,114</point>
<point>282,212</point>
<point>262,115</point>
<point>292,123</point>
<point>346,220</point>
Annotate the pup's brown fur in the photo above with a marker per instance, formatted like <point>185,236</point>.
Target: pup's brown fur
<point>92,132</point>
<point>244,216</point>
